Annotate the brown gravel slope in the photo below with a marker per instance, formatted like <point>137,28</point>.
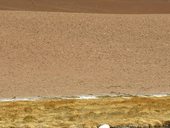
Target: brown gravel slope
<point>89,6</point>
<point>48,54</point>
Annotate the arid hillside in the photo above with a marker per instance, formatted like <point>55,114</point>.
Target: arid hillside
<point>55,53</point>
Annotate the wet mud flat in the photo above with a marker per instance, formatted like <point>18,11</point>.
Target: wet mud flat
<point>119,112</point>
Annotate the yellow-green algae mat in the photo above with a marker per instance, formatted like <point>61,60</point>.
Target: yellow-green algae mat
<point>89,113</point>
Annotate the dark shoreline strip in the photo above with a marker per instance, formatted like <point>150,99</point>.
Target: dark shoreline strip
<point>90,6</point>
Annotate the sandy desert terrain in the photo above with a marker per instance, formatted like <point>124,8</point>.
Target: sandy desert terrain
<point>84,47</point>
<point>56,53</point>
<point>45,53</point>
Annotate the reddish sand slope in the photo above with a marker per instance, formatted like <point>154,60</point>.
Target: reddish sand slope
<point>45,53</point>
<point>89,6</point>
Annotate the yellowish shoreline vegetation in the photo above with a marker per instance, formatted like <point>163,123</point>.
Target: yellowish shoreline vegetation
<point>73,113</point>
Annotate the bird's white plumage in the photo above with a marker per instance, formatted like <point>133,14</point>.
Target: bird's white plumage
<point>104,126</point>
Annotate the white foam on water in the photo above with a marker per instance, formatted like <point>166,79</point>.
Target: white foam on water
<point>126,97</point>
<point>154,95</point>
<point>160,95</point>
<point>41,98</point>
<point>87,97</point>
<point>83,97</point>
<point>19,99</point>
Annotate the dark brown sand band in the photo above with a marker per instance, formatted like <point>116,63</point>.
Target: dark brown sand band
<point>90,6</point>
